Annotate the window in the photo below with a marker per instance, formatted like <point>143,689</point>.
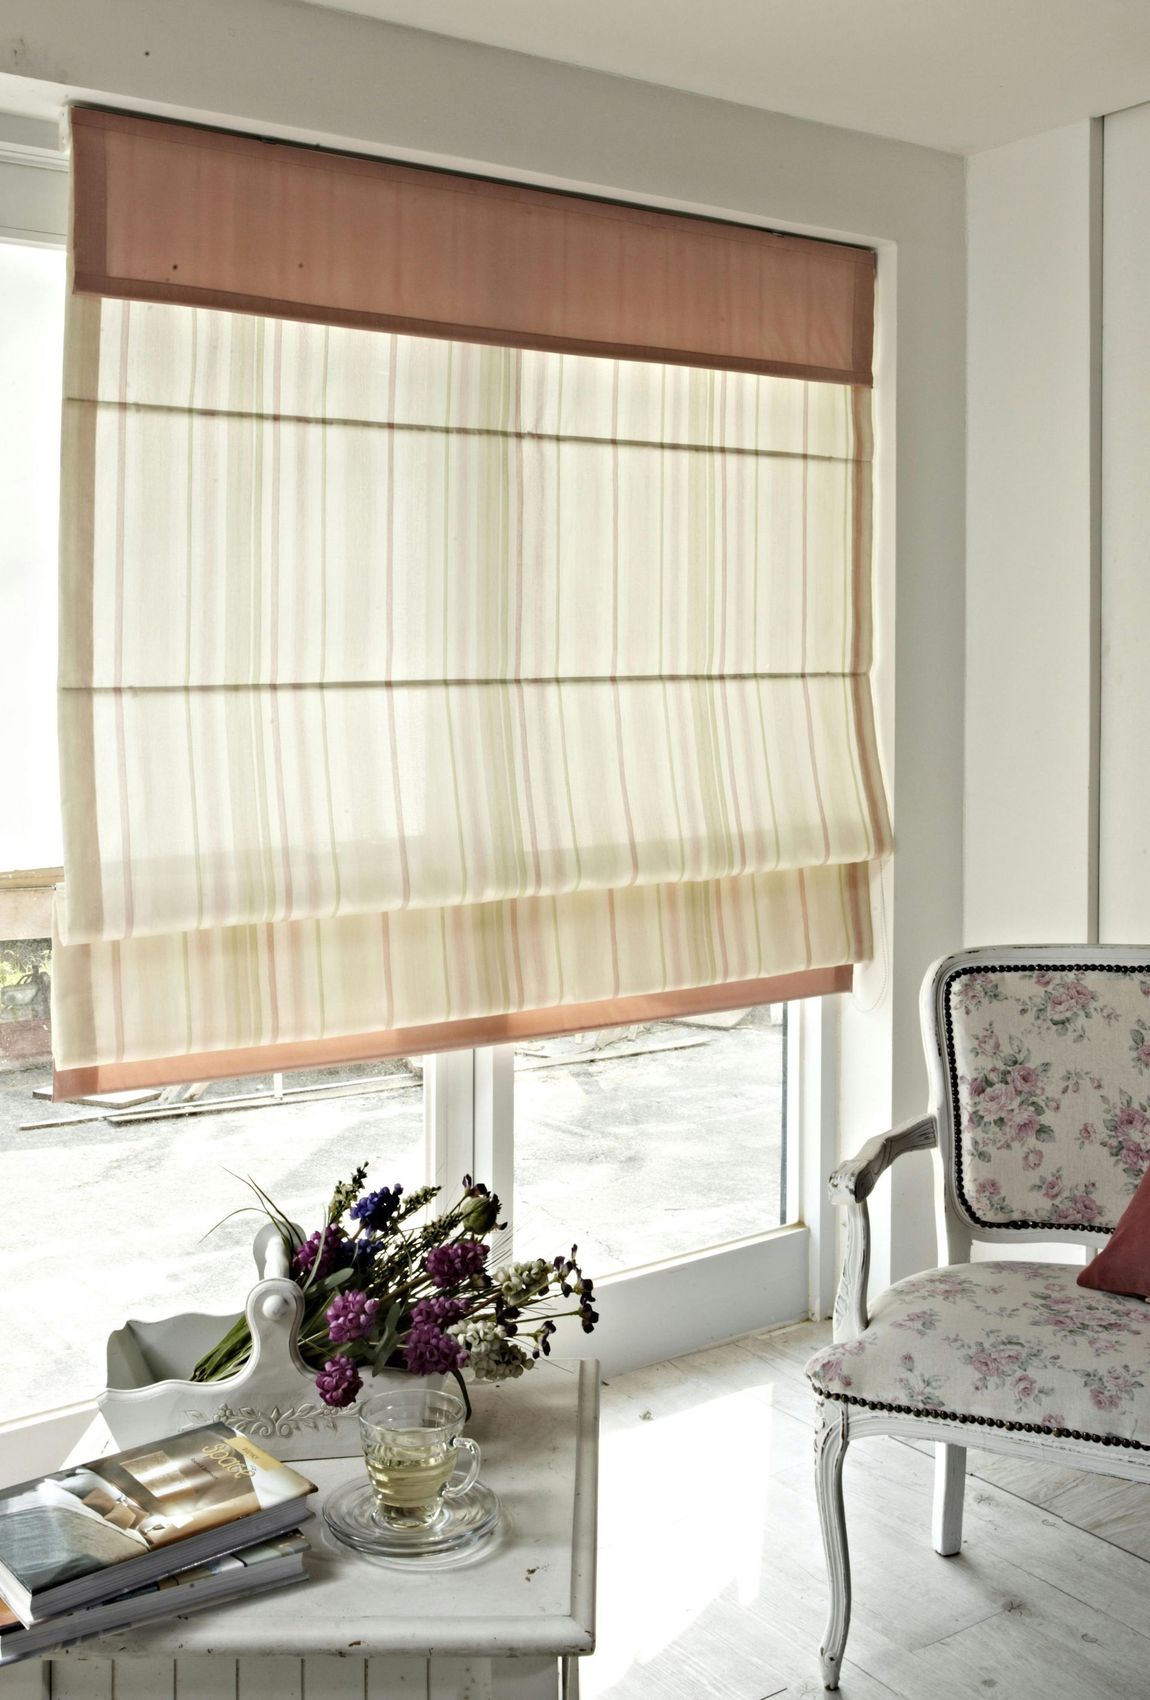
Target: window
<point>502,675</point>
<point>599,1136</point>
<point>674,1154</point>
<point>669,1148</point>
<point>658,1140</point>
<point>129,1206</point>
<point>133,1198</point>
<point>31,347</point>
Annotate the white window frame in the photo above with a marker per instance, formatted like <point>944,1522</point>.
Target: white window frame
<point>687,1303</point>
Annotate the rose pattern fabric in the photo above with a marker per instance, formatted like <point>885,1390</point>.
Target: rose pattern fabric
<point>1053,1093</point>
<point>1017,1342</point>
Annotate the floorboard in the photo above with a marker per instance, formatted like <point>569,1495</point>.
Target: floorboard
<point>711,1569</point>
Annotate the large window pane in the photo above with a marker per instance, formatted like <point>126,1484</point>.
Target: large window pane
<point>107,1219</point>
<point>31,346</point>
<point>657,1141</point>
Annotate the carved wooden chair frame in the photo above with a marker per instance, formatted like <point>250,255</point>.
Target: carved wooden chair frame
<point>840,1422</point>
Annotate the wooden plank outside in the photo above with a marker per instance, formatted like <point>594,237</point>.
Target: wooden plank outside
<point>30,879</point>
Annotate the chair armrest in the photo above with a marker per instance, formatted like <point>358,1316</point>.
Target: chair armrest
<point>855,1180</point>
<point>851,1185</point>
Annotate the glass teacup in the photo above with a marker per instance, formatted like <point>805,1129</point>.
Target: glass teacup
<point>411,1442</point>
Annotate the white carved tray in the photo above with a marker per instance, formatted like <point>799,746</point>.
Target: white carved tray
<point>273,1398</point>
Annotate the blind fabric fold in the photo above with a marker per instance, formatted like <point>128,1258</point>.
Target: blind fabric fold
<point>175,1007</point>
<point>217,807</point>
<point>343,506</point>
<point>418,692</point>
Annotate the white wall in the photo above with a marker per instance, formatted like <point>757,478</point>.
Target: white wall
<point>1058,525</point>
<point>1032,582</point>
<point>1124,860</point>
<point>319,75</point>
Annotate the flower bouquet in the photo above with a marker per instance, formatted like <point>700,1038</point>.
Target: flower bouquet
<point>386,1285</point>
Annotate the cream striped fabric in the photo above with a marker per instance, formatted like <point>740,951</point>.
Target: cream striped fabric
<point>227,989</point>
<point>406,681</point>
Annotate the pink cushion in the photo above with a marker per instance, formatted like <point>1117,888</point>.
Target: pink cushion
<point>1123,1266</point>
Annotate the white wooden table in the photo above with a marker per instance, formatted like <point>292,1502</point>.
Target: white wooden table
<point>508,1627</point>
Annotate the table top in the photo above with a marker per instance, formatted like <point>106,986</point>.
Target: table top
<point>533,1593</point>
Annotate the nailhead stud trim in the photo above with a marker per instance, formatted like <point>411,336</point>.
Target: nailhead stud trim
<point>982,1422</point>
<point>952,1076</point>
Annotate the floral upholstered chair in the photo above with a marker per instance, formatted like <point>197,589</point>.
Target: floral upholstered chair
<point>1040,1117</point>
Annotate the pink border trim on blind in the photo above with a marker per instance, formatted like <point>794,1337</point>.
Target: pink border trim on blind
<point>173,212</point>
<point>448,1035</point>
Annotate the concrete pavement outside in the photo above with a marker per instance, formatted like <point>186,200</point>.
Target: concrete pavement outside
<point>669,1147</point>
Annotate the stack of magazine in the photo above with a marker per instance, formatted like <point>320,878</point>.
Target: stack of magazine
<point>162,1529</point>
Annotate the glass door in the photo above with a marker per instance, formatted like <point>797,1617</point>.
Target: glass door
<point>669,1152</point>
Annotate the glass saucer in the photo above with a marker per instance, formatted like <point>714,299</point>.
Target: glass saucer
<point>464,1528</point>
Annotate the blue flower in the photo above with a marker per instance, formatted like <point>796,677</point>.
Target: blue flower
<point>376,1209</point>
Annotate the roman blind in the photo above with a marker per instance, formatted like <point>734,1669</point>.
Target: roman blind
<point>440,661</point>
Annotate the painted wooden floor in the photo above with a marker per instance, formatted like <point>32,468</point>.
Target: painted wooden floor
<point>711,1581</point>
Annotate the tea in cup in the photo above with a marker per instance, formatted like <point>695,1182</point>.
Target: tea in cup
<point>412,1445</point>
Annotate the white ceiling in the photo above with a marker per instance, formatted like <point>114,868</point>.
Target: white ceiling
<point>955,74</point>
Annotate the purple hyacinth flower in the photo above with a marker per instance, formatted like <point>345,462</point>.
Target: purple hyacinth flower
<point>439,1313</point>
<point>331,1248</point>
<point>428,1351</point>
<point>449,1265</point>
<point>350,1316</point>
<point>338,1381</point>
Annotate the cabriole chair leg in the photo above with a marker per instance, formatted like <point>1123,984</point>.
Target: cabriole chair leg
<point>830,1451</point>
<point>949,1487</point>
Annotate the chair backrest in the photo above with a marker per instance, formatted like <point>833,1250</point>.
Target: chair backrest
<point>1040,1063</point>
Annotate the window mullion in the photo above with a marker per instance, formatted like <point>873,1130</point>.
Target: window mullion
<point>469,1118</point>
<point>449,1118</point>
<point>813,1073</point>
<point>494,1126</point>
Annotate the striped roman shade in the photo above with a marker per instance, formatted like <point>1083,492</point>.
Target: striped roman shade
<point>418,691</point>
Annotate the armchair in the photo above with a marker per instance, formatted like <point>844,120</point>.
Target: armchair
<point>1039,1064</point>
